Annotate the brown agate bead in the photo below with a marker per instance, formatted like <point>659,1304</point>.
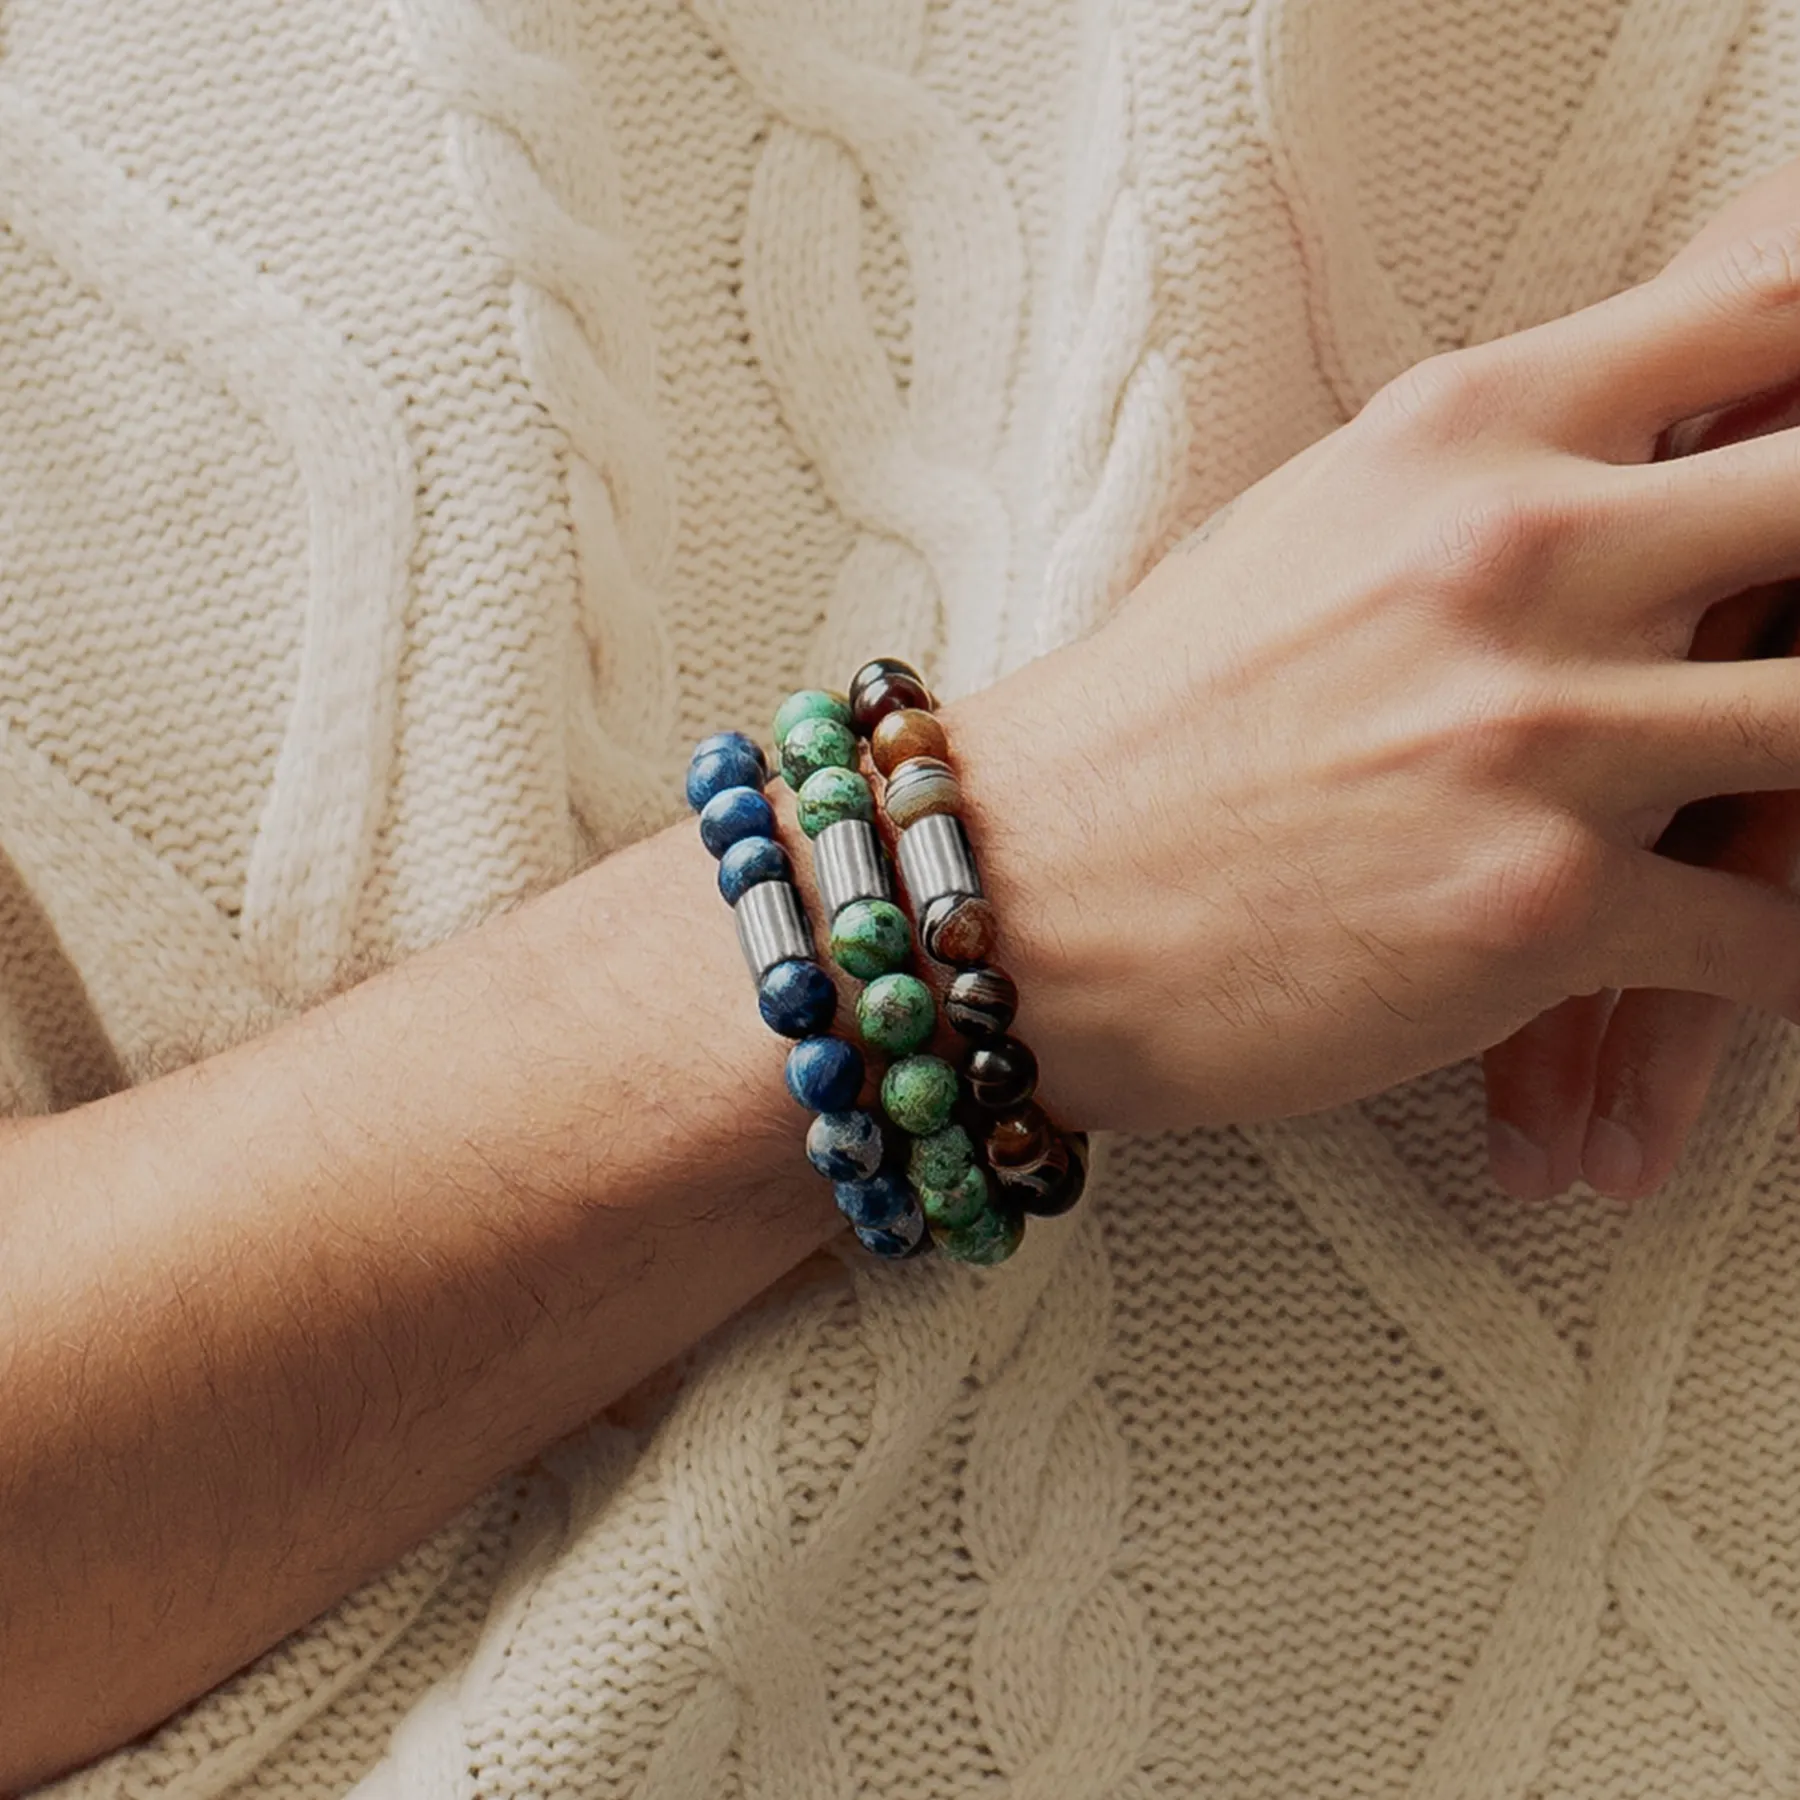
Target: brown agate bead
<point>1001,1074</point>
<point>1061,1194</point>
<point>920,786</point>
<point>1038,1183</point>
<point>905,734</point>
<point>980,1003</point>
<point>1018,1139</point>
<point>958,929</point>
<point>885,686</point>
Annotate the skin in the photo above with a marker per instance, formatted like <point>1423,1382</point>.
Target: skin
<point>1608,1086</point>
<point>1363,781</point>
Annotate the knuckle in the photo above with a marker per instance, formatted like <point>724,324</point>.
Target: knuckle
<point>1537,893</point>
<point>1446,398</point>
<point>1517,731</point>
<point>1761,270</point>
<point>1495,540</point>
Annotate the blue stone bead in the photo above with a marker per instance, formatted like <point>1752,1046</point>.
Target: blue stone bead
<point>905,1237</point>
<point>825,1074</point>
<point>749,861</point>
<point>845,1146</point>
<point>797,998</point>
<point>733,815</point>
<point>731,764</point>
<point>877,1202</point>
<point>734,740</point>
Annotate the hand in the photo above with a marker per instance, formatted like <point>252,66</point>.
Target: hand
<point>1367,778</point>
<point>1607,1087</point>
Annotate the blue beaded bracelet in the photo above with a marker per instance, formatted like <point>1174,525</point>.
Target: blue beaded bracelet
<point>795,995</point>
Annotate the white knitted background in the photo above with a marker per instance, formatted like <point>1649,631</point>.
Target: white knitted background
<point>417,422</point>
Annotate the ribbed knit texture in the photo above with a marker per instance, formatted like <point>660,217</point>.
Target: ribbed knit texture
<point>416,424</point>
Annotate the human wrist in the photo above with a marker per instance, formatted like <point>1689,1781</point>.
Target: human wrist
<point>1030,868</point>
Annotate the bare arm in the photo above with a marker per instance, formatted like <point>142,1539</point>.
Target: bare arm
<point>266,1322</point>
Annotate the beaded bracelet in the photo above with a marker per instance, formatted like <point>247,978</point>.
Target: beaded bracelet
<point>795,995</point>
<point>871,939</point>
<point>1038,1168</point>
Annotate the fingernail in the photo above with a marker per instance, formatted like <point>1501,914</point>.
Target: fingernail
<point>1612,1160</point>
<point>1519,1165</point>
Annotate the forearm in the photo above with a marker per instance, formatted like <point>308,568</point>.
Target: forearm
<point>267,1321</point>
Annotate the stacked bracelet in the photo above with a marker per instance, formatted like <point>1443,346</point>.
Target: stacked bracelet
<point>1038,1168</point>
<point>795,995</point>
<point>871,940</point>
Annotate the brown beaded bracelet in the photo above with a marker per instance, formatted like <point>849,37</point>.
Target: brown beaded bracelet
<point>1039,1168</point>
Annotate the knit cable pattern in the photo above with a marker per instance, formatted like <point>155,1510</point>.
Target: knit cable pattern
<point>1062,1661</point>
<point>538,164</point>
<point>1118,420</point>
<point>234,325</point>
<point>1587,208</point>
<point>1589,1439</point>
<point>916,470</point>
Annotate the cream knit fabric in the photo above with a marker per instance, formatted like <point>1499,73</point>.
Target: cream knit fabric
<point>416,424</point>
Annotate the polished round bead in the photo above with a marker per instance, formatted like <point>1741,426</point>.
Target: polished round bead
<point>905,734</point>
<point>884,686</point>
<point>870,938</point>
<point>797,999</point>
<point>809,703</point>
<point>959,929</point>
<point>1017,1139</point>
<point>896,1013</point>
<point>958,1203</point>
<point>875,1201</point>
<point>749,861</point>
<point>816,744</point>
<point>942,1159</point>
<point>991,1237</point>
<point>1035,1184</point>
<point>734,740</point>
<point>907,1236</point>
<point>981,1003</point>
<point>830,795</point>
<point>825,1074</point>
<point>918,1093</point>
<point>734,814</point>
<point>917,789</point>
<point>845,1146</point>
<point>1064,1188</point>
<point>1002,1074</point>
<point>733,762</point>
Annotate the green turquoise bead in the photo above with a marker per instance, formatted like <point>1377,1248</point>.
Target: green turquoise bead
<point>918,1093</point>
<point>816,744</point>
<point>831,795</point>
<point>896,1013</point>
<point>960,1205</point>
<point>991,1237</point>
<point>869,938</point>
<point>942,1160</point>
<point>809,703</point>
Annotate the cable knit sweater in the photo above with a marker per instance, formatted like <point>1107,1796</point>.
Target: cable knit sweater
<point>416,423</point>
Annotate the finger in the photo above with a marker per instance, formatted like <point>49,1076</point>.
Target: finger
<point>1539,1094</point>
<point>1699,931</point>
<point>1661,1050</point>
<point>1651,1079</point>
<point>1704,334</point>
<point>1662,735</point>
<point>1689,532</point>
